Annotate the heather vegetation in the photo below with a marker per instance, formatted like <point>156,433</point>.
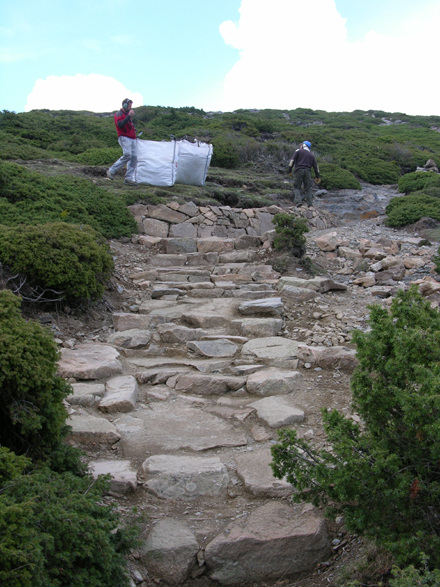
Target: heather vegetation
<point>360,142</point>
<point>54,528</point>
<point>382,473</point>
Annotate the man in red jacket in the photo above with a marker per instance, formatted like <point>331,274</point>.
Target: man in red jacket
<point>303,160</point>
<point>127,140</point>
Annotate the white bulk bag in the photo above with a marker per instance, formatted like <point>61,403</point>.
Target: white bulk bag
<point>156,162</point>
<point>194,160</point>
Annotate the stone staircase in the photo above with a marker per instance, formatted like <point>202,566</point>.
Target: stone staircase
<point>181,407</point>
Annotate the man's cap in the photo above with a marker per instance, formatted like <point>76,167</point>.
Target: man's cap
<point>307,143</point>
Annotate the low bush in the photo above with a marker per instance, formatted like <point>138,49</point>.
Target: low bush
<point>382,472</point>
<point>336,178</point>
<point>64,261</point>
<point>408,209</point>
<point>374,170</point>
<point>30,198</point>
<point>225,154</point>
<point>55,530</point>
<point>105,156</point>
<point>413,182</point>
<point>32,413</point>
<point>290,234</point>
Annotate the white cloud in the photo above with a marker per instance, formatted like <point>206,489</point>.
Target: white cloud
<point>94,92</point>
<point>296,54</point>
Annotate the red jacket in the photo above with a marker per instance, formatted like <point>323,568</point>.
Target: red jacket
<point>124,124</point>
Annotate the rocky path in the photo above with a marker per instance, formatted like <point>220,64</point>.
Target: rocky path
<point>214,352</point>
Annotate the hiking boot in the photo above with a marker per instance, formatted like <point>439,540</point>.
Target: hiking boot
<point>129,182</point>
<point>110,175</point>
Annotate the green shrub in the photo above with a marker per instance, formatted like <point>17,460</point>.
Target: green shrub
<point>413,182</point>
<point>105,156</point>
<point>382,473</point>
<point>32,414</point>
<point>72,260</point>
<point>412,577</point>
<point>374,170</point>
<point>290,234</point>
<point>336,178</point>
<point>55,530</point>
<point>225,154</point>
<point>30,198</point>
<point>408,209</point>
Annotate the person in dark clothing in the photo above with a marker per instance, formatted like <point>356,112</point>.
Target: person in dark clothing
<point>127,140</point>
<point>303,161</point>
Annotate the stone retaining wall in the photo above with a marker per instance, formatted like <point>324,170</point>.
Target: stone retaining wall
<point>175,220</point>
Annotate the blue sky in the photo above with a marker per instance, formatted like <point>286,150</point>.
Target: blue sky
<point>220,54</point>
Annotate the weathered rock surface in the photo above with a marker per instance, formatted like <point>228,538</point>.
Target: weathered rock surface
<point>170,551</point>
<point>213,348</point>
<point>208,384</point>
<point>272,382</point>
<point>130,339</point>
<point>328,358</point>
<point>270,306</point>
<point>185,477</point>
<point>278,411</point>
<point>172,427</point>
<point>123,476</point>
<point>89,361</point>
<point>274,350</point>
<point>86,394</point>
<point>92,430</point>
<point>254,469</point>
<point>120,395</point>
<point>276,541</point>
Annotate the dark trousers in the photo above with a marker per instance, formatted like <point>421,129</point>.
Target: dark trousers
<point>302,176</point>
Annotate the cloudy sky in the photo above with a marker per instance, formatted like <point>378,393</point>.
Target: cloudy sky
<point>334,55</point>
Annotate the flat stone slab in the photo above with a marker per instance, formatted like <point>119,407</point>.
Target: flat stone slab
<point>120,395</point>
<point>213,348</point>
<point>291,293</point>
<point>185,477</point>
<point>258,327</point>
<point>125,321</point>
<point>275,542</point>
<point>89,361</point>
<point>162,212</point>
<point>123,476</point>
<point>318,284</point>
<point>208,384</point>
<point>92,430</point>
<point>272,382</point>
<point>254,469</point>
<point>86,394</point>
<point>173,333</point>
<point>170,551</point>
<point>175,426</point>
<point>130,339</point>
<point>211,315</point>
<point>277,411</point>
<point>272,348</point>
<point>336,357</point>
<point>271,306</point>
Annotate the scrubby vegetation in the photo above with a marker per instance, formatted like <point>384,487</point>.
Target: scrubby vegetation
<point>54,528</point>
<point>420,180</point>
<point>409,209</point>
<point>57,260</point>
<point>28,197</point>
<point>359,145</point>
<point>290,234</point>
<point>383,473</point>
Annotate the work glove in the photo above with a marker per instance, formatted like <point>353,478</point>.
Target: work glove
<point>290,170</point>
<point>317,180</point>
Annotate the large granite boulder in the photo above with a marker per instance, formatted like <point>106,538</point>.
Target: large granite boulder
<point>276,541</point>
